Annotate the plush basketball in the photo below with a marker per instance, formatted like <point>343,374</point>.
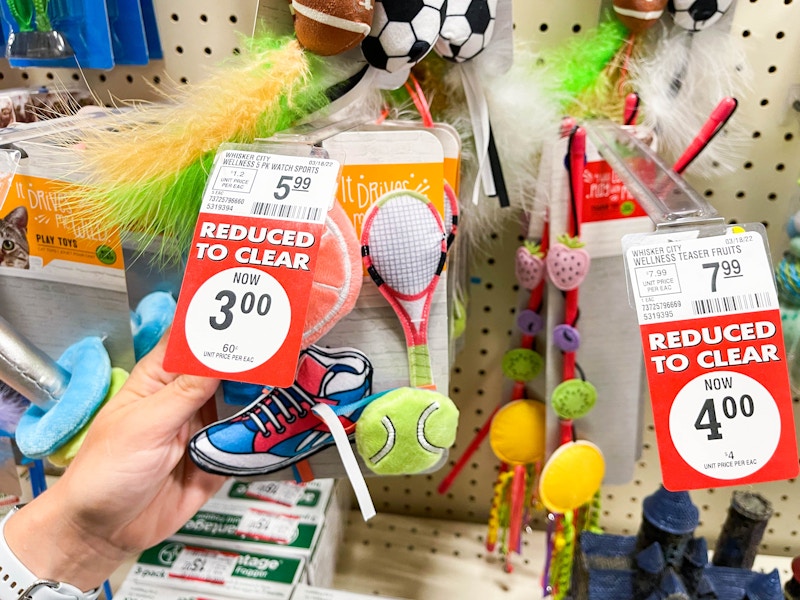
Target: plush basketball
<point>328,27</point>
<point>639,15</point>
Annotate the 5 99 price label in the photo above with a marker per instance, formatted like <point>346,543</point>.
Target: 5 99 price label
<point>245,293</point>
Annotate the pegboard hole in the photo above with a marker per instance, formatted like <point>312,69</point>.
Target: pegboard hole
<point>780,167</point>
<point>746,33</point>
<point>233,18</point>
<point>204,18</point>
<point>576,28</point>
<point>756,135</point>
<point>748,165</point>
<point>207,50</point>
<point>179,49</point>
<point>780,35</point>
<point>174,17</point>
<point>544,27</point>
<point>129,78</point>
<point>102,77</point>
<point>764,102</point>
<point>788,137</point>
<point>772,69</point>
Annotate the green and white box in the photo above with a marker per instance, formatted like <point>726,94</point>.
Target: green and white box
<point>252,528</point>
<point>221,571</point>
<point>283,496</point>
<point>141,591</point>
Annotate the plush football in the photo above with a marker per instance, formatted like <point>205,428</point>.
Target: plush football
<point>639,15</point>
<point>328,27</point>
<point>695,15</point>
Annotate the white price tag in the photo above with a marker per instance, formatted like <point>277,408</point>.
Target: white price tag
<point>269,527</point>
<point>715,360</point>
<point>286,188</point>
<point>700,277</point>
<point>200,564</point>
<point>250,271</point>
<point>281,492</point>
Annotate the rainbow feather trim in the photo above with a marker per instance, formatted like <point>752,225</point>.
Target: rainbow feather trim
<point>146,175</point>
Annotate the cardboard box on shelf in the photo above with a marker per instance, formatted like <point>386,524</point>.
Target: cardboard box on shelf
<point>224,572</point>
<point>305,521</point>
<point>282,496</point>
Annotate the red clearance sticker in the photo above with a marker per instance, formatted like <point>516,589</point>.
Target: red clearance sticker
<point>715,360</point>
<point>606,197</point>
<point>244,296</point>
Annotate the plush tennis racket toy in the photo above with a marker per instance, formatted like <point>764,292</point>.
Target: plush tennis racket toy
<point>404,250</point>
<point>404,247</point>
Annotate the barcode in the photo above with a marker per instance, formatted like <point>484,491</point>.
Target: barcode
<point>710,306</point>
<point>286,211</point>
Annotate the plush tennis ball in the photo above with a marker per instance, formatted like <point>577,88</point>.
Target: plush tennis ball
<point>329,27</point>
<point>406,431</point>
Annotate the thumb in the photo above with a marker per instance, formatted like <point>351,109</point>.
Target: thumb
<point>177,402</point>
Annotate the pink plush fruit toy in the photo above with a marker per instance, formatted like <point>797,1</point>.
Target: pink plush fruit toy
<point>567,263</point>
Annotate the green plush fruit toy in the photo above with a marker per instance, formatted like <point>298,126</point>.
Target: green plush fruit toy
<point>406,431</point>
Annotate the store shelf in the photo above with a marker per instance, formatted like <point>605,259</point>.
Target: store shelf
<point>431,559</point>
<point>418,558</point>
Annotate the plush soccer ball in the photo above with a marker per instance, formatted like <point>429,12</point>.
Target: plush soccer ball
<point>467,29</point>
<point>696,15</point>
<point>328,27</point>
<point>403,32</point>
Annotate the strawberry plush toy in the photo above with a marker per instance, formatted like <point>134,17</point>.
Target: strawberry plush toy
<point>567,263</point>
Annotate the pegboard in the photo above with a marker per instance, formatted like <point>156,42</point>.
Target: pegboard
<point>196,35</point>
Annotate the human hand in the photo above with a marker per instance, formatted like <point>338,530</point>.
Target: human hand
<point>131,484</point>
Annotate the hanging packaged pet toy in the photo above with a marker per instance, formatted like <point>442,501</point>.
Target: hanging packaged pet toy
<point>41,34</point>
<point>570,480</point>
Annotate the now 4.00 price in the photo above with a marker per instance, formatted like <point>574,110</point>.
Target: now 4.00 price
<point>728,406</point>
<point>731,409</point>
